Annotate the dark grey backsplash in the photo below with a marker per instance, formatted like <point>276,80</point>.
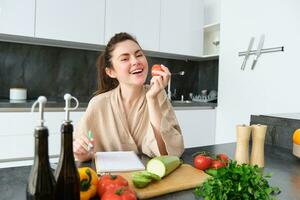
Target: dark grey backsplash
<point>53,71</point>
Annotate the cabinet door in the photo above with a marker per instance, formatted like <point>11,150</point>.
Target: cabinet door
<point>181,27</point>
<point>68,20</point>
<point>139,18</point>
<point>17,17</point>
<point>197,126</point>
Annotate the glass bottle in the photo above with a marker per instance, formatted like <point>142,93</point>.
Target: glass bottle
<point>41,182</point>
<point>66,174</point>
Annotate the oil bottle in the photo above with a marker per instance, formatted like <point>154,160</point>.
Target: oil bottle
<point>41,181</point>
<point>66,174</point>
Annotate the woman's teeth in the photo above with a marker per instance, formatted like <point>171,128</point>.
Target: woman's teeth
<point>137,71</point>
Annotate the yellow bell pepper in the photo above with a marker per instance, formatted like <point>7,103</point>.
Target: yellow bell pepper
<point>88,183</point>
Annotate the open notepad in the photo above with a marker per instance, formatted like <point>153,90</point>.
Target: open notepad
<point>117,161</point>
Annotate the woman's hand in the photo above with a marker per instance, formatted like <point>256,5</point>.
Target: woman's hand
<point>158,83</point>
<point>82,148</point>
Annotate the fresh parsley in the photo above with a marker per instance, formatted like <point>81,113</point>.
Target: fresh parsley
<point>237,182</point>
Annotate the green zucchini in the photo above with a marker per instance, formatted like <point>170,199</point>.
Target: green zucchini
<point>163,165</point>
<point>141,181</point>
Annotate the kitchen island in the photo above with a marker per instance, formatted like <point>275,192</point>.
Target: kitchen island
<point>280,161</point>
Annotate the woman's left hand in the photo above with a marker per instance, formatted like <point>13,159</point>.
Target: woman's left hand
<point>158,83</point>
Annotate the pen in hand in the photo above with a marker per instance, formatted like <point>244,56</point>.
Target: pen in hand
<point>90,145</point>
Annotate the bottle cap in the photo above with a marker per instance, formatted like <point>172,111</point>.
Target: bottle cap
<point>41,101</point>
<point>68,107</point>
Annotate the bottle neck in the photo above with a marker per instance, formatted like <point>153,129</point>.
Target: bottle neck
<point>67,139</point>
<point>41,145</point>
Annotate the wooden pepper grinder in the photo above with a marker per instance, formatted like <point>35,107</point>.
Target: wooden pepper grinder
<point>242,144</point>
<point>258,144</point>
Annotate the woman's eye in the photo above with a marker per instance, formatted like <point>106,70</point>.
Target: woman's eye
<point>139,55</point>
<point>124,59</point>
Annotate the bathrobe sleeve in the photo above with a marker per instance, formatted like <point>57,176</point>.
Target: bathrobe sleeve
<point>169,129</point>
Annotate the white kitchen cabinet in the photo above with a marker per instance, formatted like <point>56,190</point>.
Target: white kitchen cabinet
<point>17,17</point>
<point>68,20</point>
<point>17,134</point>
<point>197,126</point>
<point>181,27</point>
<point>139,18</point>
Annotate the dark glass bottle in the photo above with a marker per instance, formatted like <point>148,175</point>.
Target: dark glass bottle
<point>66,174</point>
<point>41,181</point>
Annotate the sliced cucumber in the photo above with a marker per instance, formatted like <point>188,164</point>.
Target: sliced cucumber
<point>163,165</point>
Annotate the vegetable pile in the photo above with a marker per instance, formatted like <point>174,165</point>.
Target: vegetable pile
<point>237,182</point>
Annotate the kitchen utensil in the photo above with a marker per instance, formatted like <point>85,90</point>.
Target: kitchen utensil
<point>242,144</point>
<point>247,53</point>
<point>183,178</point>
<point>258,52</point>
<point>258,144</point>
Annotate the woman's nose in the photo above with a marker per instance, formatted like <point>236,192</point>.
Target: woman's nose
<point>134,60</point>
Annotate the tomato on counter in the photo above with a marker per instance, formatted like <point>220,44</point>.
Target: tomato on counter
<point>202,162</point>
<point>110,182</point>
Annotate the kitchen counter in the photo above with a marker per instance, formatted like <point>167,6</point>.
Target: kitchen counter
<point>280,161</point>
<point>58,106</point>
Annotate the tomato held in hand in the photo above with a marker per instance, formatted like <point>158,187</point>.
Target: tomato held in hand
<point>110,182</point>
<point>223,157</point>
<point>216,164</point>
<point>155,67</point>
<point>202,162</point>
<point>121,193</point>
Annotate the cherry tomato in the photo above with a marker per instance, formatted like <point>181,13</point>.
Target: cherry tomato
<point>223,157</point>
<point>216,164</point>
<point>110,182</point>
<point>202,162</point>
<point>155,67</point>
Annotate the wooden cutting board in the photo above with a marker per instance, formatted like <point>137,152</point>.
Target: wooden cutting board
<point>183,178</point>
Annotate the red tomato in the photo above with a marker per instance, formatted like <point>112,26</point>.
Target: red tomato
<point>110,182</point>
<point>202,162</point>
<point>156,67</point>
<point>121,193</point>
<point>223,157</point>
<point>216,164</point>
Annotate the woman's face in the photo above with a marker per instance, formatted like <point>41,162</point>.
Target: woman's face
<point>130,65</point>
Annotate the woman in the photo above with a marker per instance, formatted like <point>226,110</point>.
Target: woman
<point>126,114</point>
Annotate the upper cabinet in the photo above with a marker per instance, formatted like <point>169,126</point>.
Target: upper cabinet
<point>181,27</point>
<point>17,17</point>
<point>139,18</point>
<point>211,29</point>
<point>69,20</point>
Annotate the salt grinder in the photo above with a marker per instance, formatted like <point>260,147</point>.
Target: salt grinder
<point>258,144</point>
<point>242,145</point>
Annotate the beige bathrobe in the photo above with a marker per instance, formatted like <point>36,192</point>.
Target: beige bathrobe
<point>112,131</point>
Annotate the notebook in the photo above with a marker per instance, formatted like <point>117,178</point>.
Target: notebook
<point>117,161</point>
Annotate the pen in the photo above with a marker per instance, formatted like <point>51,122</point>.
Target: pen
<point>90,137</point>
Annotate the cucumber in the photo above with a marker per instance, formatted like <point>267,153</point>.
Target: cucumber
<point>140,181</point>
<point>163,165</point>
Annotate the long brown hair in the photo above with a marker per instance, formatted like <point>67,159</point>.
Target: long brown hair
<point>106,83</point>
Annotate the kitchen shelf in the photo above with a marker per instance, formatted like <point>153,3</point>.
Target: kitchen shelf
<point>211,35</point>
<point>212,27</point>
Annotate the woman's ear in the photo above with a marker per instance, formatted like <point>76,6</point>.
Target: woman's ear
<point>110,72</point>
